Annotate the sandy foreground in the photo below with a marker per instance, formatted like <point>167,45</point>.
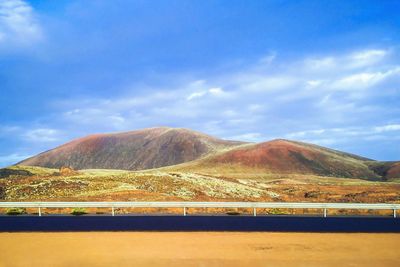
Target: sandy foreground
<point>198,249</point>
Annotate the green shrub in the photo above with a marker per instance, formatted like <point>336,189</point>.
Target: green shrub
<point>15,211</point>
<point>277,211</point>
<point>78,211</point>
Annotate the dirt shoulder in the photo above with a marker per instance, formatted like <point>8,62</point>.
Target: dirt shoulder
<point>198,249</point>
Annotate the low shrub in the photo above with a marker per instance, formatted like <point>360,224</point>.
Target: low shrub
<point>15,211</point>
<point>78,211</point>
<point>233,212</point>
<point>277,212</point>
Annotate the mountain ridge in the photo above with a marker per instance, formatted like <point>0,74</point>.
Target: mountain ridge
<point>185,149</point>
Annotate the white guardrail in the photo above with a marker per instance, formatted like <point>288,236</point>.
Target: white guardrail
<point>185,205</point>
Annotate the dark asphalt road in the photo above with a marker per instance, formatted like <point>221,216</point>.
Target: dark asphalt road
<point>199,223</point>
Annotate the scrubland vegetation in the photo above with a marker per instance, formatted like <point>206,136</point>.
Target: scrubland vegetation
<point>164,185</point>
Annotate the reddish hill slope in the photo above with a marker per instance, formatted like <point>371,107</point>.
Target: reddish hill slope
<point>394,171</point>
<point>287,157</point>
<point>388,170</point>
<point>136,150</point>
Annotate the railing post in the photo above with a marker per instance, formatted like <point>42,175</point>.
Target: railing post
<point>112,211</point>
<point>40,212</point>
<point>184,211</point>
<point>254,212</point>
<point>325,212</point>
<point>394,213</point>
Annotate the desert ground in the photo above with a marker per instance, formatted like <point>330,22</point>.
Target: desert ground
<point>198,249</point>
<point>166,185</point>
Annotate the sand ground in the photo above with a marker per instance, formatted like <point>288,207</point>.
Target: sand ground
<point>198,249</point>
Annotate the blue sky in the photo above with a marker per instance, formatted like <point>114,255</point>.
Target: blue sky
<point>326,72</point>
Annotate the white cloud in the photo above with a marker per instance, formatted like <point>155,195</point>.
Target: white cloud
<point>359,80</point>
<point>42,135</point>
<point>249,137</point>
<point>366,57</point>
<point>386,128</point>
<point>314,83</point>
<point>305,133</point>
<point>350,61</point>
<point>196,95</point>
<point>215,92</point>
<point>369,55</point>
<point>363,80</point>
<point>18,24</point>
<point>331,136</point>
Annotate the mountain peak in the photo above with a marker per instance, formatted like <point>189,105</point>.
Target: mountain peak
<point>133,150</point>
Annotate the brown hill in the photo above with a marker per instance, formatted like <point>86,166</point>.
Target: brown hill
<point>388,170</point>
<point>186,150</point>
<point>135,150</point>
<point>394,171</point>
<point>289,157</point>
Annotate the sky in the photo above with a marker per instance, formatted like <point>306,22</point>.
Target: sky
<point>325,72</point>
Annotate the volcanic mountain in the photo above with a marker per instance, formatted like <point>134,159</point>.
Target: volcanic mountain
<point>135,150</point>
<point>179,149</point>
<point>292,157</point>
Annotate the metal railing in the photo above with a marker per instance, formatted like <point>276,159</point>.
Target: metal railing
<point>185,205</point>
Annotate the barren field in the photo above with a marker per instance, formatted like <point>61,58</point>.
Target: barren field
<point>155,185</point>
<point>198,249</point>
